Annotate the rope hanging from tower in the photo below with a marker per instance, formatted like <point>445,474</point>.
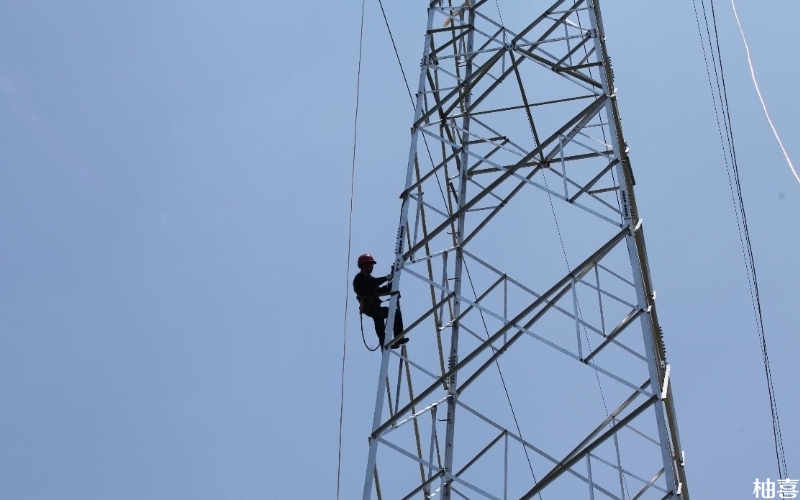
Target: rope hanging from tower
<point>349,250</point>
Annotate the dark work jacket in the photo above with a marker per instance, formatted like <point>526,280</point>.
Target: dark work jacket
<point>367,289</point>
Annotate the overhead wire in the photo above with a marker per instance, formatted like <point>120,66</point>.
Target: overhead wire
<point>750,260</point>
<point>349,250</point>
<point>734,182</point>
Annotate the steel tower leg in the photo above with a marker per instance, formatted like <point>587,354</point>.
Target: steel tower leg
<point>526,289</point>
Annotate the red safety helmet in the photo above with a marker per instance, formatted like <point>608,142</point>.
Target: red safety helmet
<point>365,259</point>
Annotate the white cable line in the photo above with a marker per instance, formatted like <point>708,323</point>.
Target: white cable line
<point>758,91</point>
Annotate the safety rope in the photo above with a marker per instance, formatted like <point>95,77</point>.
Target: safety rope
<point>363,338</point>
<point>732,168</point>
<point>349,250</point>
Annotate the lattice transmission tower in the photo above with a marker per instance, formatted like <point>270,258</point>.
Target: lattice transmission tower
<point>536,365</point>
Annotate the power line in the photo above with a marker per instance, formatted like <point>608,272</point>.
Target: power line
<point>734,182</point>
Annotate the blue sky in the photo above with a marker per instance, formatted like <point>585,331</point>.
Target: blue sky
<point>174,211</point>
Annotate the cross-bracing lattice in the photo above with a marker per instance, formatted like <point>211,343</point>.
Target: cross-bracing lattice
<point>536,367</point>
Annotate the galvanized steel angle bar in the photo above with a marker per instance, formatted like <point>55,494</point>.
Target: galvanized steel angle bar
<point>608,148</point>
<point>482,187</point>
<point>454,12</point>
<point>503,29</point>
<point>564,69</point>
<point>497,80</point>
<point>556,22</point>
<point>650,484</point>
<point>528,180</point>
<point>574,77</point>
<point>582,206</point>
<point>582,9</point>
<point>520,151</point>
<point>428,256</point>
<point>565,283</point>
<point>522,287</point>
<point>527,444</point>
<point>589,53</point>
<point>480,139</point>
<point>630,318</point>
<point>577,273</point>
<point>422,486</point>
<point>428,313</point>
<point>472,54</point>
<point>445,141</point>
<point>466,360</point>
<point>442,69</point>
<point>429,206</point>
<point>445,29</point>
<point>414,416</point>
<point>440,89</point>
<point>478,299</point>
<point>630,474</point>
<point>574,457</point>
<point>510,434</point>
<point>594,181</point>
<point>416,423</point>
<point>621,278</point>
<point>426,463</point>
<point>465,86</point>
<point>506,344</point>
<point>574,140</point>
<point>592,194</point>
<point>574,49</point>
<point>481,453</point>
<point>447,475</point>
<point>543,42</point>
<point>615,223</point>
<point>510,324</point>
<point>383,376</point>
<point>477,336</point>
<point>629,350</point>
<point>414,365</point>
<point>539,19</point>
<point>489,39</point>
<point>533,105</point>
<point>642,434</point>
<point>433,170</point>
<point>612,208</point>
<point>464,30</point>
<point>556,306</point>
<point>574,123</point>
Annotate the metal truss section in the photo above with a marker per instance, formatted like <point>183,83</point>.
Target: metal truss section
<point>535,367</point>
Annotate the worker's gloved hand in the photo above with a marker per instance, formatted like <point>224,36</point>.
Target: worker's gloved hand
<point>389,276</point>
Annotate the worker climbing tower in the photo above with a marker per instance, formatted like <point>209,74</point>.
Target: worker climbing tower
<point>536,365</point>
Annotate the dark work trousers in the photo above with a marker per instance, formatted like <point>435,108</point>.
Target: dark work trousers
<point>379,315</point>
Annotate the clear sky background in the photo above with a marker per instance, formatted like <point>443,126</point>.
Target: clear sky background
<point>174,194</point>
